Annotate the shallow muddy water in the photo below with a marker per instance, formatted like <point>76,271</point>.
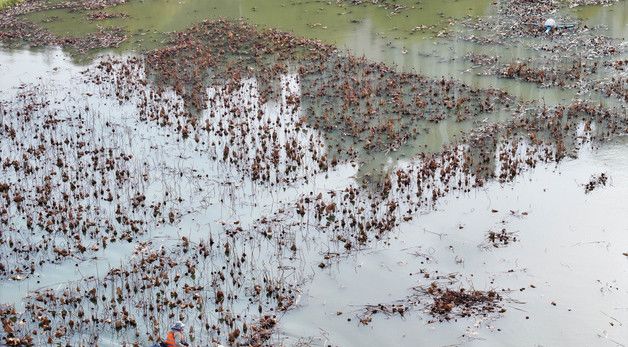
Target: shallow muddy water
<point>408,39</point>
<point>340,24</point>
<point>252,183</point>
<point>614,17</point>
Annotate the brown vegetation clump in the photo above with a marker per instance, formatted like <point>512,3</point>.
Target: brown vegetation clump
<point>102,15</point>
<point>595,182</point>
<point>441,302</point>
<point>16,30</point>
<point>497,239</point>
<point>448,304</point>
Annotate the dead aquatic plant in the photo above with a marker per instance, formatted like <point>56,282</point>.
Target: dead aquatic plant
<point>309,71</point>
<point>442,301</point>
<point>450,303</point>
<point>231,127</point>
<point>79,194</point>
<point>564,77</point>
<point>362,99</point>
<point>615,86</point>
<point>595,182</point>
<point>260,332</point>
<point>558,60</point>
<point>387,4</point>
<point>16,30</point>
<point>137,300</point>
<point>545,135</point>
<point>63,199</point>
<point>576,3</point>
<point>498,239</point>
<point>101,15</point>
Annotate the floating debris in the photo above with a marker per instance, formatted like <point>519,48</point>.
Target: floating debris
<point>595,182</point>
<point>450,303</point>
<point>101,15</point>
<point>442,302</point>
<point>497,239</point>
